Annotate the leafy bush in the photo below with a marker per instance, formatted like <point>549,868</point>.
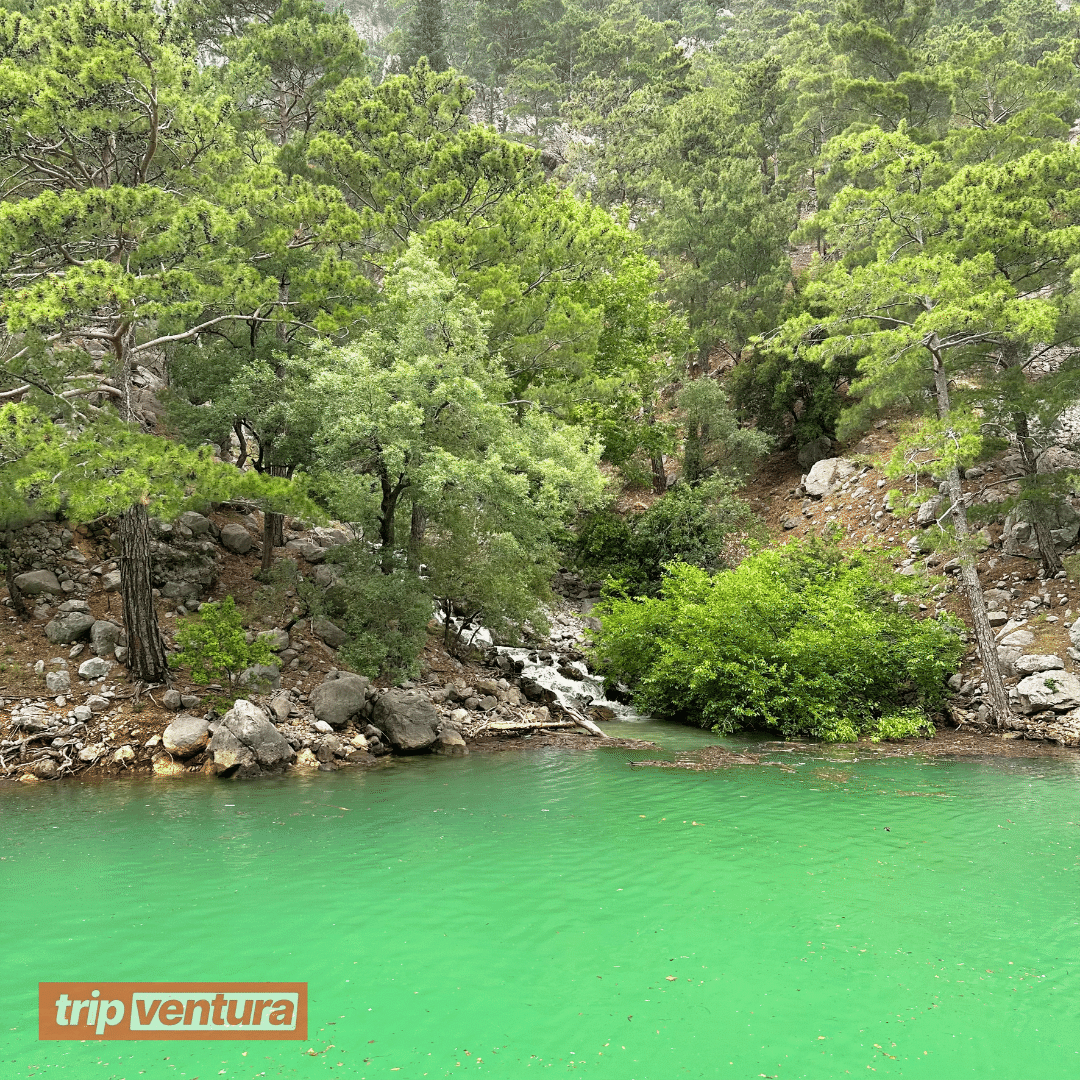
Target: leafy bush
<point>214,645</point>
<point>384,615</point>
<point>689,525</point>
<point>803,640</point>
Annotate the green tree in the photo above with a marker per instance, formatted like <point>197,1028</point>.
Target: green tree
<point>425,36</point>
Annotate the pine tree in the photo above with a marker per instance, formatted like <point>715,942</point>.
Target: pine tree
<point>425,36</point>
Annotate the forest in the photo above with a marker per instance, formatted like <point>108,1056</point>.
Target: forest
<point>458,274</point>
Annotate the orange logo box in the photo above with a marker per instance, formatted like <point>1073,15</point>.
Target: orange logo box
<point>87,1010</point>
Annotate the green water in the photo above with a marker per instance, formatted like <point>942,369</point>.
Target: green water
<point>516,914</point>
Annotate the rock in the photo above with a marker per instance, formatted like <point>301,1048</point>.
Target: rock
<point>46,769</point>
<point>409,720</point>
<point>789,523</point>
<point>58,682</point>
<point>329,633</point>
<point>929,511</point>
<point>1036,662</point>
<point>1074,634</point>
<point>306,760</point>
<point>330,537</point>
<point>124,755</point>
<point>69,627</point>
<point>186,735</point>
<point>260,677</point>
<point>236,538</point>
<point>196,522</point>
<point>82,713</point>
<point>328,748</point>
<point>459,716</point>
<point>488,702</point>
<point>1057,459</point>
<point>1018,639</point>
<point>96,703</point>
<point>95,668</point>
<point>450,743</point>
<point>323,726</point>
<point>997,618</point>
<point>827,475</point>
<point>110,582</point>
<point>38,582</point>
<point>278,640</point>
<point>104,637</point>
<point>245,742</point>
<point>339,698</point>
<point>813,452</point>
<point>90,754</point>
<point>172,700</point>
<point>1007,658</point>
<point>306,549</point>
<point>1058,690</point>
<point>189,701</point>
<point>74,605</point>
<point>325,576</point>
<point>165,766</point>
<point>280,707</point>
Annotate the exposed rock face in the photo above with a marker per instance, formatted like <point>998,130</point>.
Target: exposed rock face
<point>247,744</point>
<point>1057,690</point>
<point>236,538</point>
<point>68,627</point>
<point>37,582</point>
<point>186,735</point>
<point>340,698</point>
<point>329,633</point>
<point>409,721</point>
<point>828,474</point>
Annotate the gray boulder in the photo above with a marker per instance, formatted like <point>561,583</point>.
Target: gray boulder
<point>186,735</point>
<point>340,698</point>
<point>827,475</point>
<point>110,582</point>
<point>260,677</point>
<point>450,743</point>
<point>306,549</point>
<point>278,640</point>
<point>104,637</point>
<point>68,627</point>
<point>57,682</point>
<point>928,512</point>
<point>1007,658</point>
<point>197,523</point>
<point>1036,662</point>
<point>1018,639</point>
<point>236,538</point>
<point>95,668</point>
<point>813,452</point>
<point>1057,690</point>
<point>246,743</point>
<point>173,700</point>
<point>37,582</point>
<point>330,633</point>
<point>409,720</point>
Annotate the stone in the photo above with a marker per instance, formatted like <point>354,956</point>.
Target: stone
<point>90,754</point>
<point>74,605</point>
<point>164,765</point>
<point>327,575</point>
<point>38,582</point>
<point>339,698</point>
<point>306,549</point>
<point>1057,690</point>
<point>95,668</point>
<point>450,743</point>
<point>110,582</point>
<point>1007,658</point>
<point>329,633</point>
<point>123,755</point>
<point>1036,662</point>
<point>280,708</point>
<point>96,703</point>
<point>813,452</point>
<point>69,627</point>
<point>105,636</point>
<point>827,475</point>
<point>172,700</point>
<point>189,701</point>
<point>488,702</point>
<point>997,618</point>
<point>58,682</point>
<point>260,677</point>
<point>323,726</point>
<point>789,523</point>
<point>278,640</point>
<point>330,537</point>
<point>196,522</point>
<point>1018,639</point>
<point>929,511</point>
<point>306,760</point>
<point>328,748</point>
<point>245,742</point>
<point>236,538</point>
<point>409,720</point>
<point>82,713</point>
<point>46,769</point>
<point>186,735</point>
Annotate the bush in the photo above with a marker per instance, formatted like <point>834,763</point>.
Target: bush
<point>803,640</point>
<point>214,645</point>
<point>689,525</point>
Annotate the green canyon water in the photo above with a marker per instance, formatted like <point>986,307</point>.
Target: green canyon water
<point>547,912</point>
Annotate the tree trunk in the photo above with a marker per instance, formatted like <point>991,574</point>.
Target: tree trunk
<point>984,635</point>
<point>387,509</point>
<point>1035,510</point>
<point>146,649</point>
<point>273,525</point>
<point>417,529</point>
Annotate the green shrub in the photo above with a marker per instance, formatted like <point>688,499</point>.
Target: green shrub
<point>214,645</point>
<point>802,640</point>
<point>690,524</point>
